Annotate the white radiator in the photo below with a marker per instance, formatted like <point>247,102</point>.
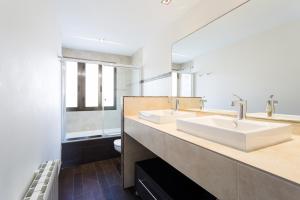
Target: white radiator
<point>45,183</point>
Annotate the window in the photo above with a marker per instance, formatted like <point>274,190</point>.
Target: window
<point>71,84</point>
<point>174,83</point>
<point>90,87</point>
<point>186,85</point>
<point>108,85</point>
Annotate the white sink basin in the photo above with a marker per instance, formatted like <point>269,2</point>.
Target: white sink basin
<point>164,116</point>
<point>281,117</point>
<point>246,135</point>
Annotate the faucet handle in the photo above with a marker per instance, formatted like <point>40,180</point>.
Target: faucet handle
<point>177,101</point>
<point>272,99</point>
<point>238,97</point>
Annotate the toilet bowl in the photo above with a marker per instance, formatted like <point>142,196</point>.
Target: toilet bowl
<point>117,145</point>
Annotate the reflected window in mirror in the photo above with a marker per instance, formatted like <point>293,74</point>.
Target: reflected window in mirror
<point>174,84</point>
<point>186,85</point>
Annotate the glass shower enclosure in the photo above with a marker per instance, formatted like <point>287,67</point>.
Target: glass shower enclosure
<point>92,95</point>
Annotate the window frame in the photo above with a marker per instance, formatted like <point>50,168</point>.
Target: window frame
<point>81,91</point>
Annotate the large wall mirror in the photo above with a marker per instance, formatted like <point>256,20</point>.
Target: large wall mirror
<point>253,51</point>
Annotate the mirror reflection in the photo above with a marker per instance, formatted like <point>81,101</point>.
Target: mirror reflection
<point>249,55</point>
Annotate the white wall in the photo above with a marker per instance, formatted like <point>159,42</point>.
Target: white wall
<point>157,52</point>
<point>137,60</point>
<point>255,67</point>
<point>30,117</point>
<point>161,87</point>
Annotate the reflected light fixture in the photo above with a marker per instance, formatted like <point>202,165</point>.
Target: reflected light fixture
<point>165,2</point>
<point>207,74</point>
<point>178,54</point>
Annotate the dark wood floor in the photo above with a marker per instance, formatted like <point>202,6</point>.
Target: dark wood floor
<point>94,181</point>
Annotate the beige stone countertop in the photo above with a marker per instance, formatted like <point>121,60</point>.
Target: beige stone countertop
<point>282,160</point>
<point>214,111</point>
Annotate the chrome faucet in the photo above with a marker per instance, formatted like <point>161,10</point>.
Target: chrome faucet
<point>202,101</point>
<point>176,104</point>
<point>242,107</point>
<point>271,105</point>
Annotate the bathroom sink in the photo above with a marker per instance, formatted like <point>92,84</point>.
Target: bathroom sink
<point>281,117</point>
<point>245,135</point>
<point>164,116</point>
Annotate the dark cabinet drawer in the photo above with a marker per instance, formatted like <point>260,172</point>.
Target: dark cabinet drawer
<point>147,188</point>
<point>144,190</point>
<point>157,180</point>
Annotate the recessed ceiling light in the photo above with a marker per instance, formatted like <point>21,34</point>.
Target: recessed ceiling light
<point>166,2</point>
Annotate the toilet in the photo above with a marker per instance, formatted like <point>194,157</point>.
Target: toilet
<point>117,145</point>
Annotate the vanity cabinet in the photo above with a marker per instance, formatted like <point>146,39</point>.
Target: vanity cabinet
<point>220,175</point>
<point>157,180</point>
<point>214,172</point>
<point>258,185</point>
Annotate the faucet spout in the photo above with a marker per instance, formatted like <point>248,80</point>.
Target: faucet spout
<point>202,102</point>
<point>242,107</point>
<point>270,109</point>
<point>176,104</point>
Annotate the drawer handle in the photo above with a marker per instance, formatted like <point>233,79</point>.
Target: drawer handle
<point>141,182</point>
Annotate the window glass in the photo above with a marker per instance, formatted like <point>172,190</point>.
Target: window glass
<point>91,85</point>
<point>108,86</point>
<point>174,83</point>
<point>71,84</point>
<point>186,85</point>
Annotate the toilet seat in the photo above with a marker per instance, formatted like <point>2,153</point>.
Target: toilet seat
<point>117,145</point>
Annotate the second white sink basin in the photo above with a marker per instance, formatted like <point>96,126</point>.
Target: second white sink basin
<point>164,116</point>
<point>279,117</point>
<point>246,135</point>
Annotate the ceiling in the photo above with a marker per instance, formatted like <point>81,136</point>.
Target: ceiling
<point>253,17</point>
<point>125,25</point>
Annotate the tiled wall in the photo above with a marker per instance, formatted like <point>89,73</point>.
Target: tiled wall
<point>92,120</point>
<point>90,55</point>
<point>132,105</point>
